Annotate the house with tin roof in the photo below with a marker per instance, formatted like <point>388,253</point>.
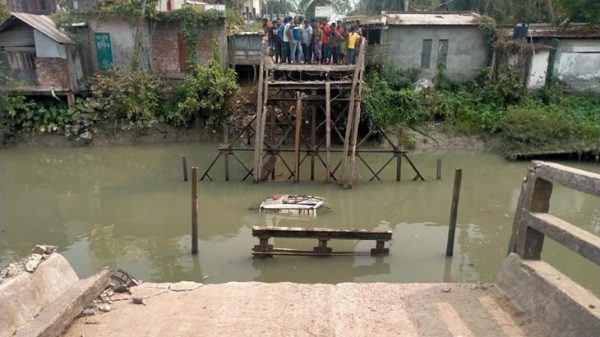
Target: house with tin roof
<point>38,57</point>
<point>425,41</point>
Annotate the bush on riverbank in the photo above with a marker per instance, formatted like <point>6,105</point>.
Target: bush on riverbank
<point>546,120</point>
<point>125,99</point>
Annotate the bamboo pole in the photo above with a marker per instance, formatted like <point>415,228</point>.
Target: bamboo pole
<point>313,141</point>
<point>184,166</point>
<point>454,212</point>
<point>328,130</point>
<point>194,210</point>
<point>297,137</point>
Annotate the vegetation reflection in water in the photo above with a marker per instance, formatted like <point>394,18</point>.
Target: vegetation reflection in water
<point>128,207</point>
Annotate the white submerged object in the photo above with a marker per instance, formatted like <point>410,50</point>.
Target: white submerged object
<point>292,204</point>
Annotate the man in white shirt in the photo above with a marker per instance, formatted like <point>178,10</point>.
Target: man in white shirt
<point>307,42</point>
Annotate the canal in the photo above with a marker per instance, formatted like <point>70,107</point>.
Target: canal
<point>128,207</point>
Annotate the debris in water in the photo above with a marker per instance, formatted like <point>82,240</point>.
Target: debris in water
<point>44,249</point>
<point>292,204</point>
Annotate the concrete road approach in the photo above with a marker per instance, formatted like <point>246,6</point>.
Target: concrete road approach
<point>290,309</point>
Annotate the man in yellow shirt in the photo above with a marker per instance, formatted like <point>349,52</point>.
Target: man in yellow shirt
<point>352,38</point>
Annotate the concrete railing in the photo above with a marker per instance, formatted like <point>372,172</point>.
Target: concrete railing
<point>562,306</point>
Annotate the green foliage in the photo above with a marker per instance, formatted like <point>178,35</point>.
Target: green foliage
<point>18,115</point>
<point>545,120</point>
<point>3,10</point>
<point>540,126</point>
<point>580,11</point>
<point>204,96</point>
<point>487,25</point>
<point>131,97</point>
<point>129,8</point>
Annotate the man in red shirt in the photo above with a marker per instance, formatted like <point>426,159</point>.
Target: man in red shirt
<point>326,29</point>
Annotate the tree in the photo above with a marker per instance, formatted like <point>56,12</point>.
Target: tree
<point>3,10</point>
<point>579,11</point>
<point>278,6</point>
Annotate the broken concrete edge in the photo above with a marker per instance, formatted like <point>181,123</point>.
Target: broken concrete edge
<point>39,254</point>
<point>561,306</point>
<point>25,294</point>
<point>56,317</point>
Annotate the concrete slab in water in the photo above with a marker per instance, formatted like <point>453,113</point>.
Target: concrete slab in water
<point>289,309</point>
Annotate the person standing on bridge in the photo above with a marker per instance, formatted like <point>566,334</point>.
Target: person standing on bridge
<point>288,40</point>
<point>297,36</point>
<point>352,38</point>
<point>307,42</point>
<point>318,44</point>
<point>325,28</point>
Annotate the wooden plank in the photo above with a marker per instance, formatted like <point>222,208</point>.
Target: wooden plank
<point>325,233</point>
<point>309,253</point>
<point>576,239</point>
<point>328,131</point>
<point>258,141</point>
<point>297,137</point>
<point>529,242</point>
<point>453,212</point>
<point>357,98</point>
<point>263,120</point>
<point>580,180</point>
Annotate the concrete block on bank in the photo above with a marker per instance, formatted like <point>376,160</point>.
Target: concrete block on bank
<point>560,305</point>
<point>24,295</point>
<point>57,316</point>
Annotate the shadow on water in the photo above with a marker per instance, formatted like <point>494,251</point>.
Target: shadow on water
<point>128,207</point>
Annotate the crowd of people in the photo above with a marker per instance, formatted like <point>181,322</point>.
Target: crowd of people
<point>297,41</point>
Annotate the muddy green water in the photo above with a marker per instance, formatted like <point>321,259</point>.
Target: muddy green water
<point>128,207</point>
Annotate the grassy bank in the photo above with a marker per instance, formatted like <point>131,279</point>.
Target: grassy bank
<point>547,120</point>
<point>125,100</point>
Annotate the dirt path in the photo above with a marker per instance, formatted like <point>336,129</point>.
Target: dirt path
<point>288,309</point>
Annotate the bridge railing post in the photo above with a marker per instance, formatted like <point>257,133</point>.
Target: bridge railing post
<point>535,197</point>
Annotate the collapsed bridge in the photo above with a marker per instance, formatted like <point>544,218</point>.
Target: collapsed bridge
<point>321,105</point>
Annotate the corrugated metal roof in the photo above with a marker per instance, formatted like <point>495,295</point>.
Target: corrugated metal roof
<point>41,23</point>
<point>573,31</point>
<point>368,20</point>
<point>430,19</point>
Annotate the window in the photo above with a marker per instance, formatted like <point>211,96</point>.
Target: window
<point>426,54</point>
<point>373,36</point>
<point>442,53</point>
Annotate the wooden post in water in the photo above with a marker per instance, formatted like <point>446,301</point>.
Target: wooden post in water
<point>438,169</point>
<point>328,130</point>
<point>398,154</point>
<point>185,170</point>
<point>194,210</point>
<point>454,212</point>
<point>297,138</point>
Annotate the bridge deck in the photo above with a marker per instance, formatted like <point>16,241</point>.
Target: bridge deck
<point>288,309</point>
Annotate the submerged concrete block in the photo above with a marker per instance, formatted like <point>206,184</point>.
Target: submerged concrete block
<point>560,305</point>
<point>23,296</point>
